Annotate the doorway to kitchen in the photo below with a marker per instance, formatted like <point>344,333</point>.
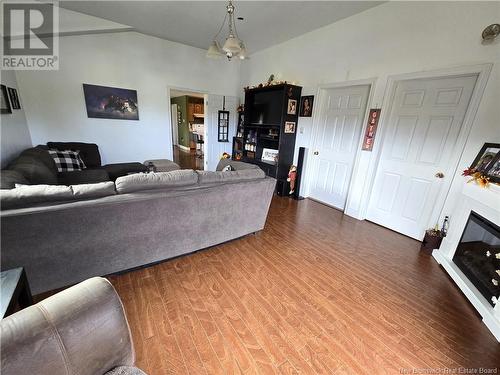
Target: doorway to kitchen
<point>188,128</point>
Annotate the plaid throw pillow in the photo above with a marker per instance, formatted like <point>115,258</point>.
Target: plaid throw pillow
<point>67,161</point>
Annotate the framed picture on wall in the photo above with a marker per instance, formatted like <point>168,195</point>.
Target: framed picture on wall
<point>5,107</point>
<point>289,127</point>
<point>111,102</point>
<point>14,99</point>
<point>223,126</point>
<point>292,107</point>
<point>306,106</point>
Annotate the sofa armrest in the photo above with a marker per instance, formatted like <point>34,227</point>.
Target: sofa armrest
<point>122,169</point>
<point>81,330</point>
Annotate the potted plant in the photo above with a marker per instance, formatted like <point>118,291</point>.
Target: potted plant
<point>433,237</point>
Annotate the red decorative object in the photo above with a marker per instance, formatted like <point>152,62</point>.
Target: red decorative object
<point>468,172</point>
<point>371,129</point>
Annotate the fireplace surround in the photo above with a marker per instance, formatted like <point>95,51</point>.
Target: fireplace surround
<point>481,207</point>
<point>478,256</point>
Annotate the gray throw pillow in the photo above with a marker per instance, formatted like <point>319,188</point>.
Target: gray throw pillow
<point>25,195</point>
<point>92,191</point>
<point>160,180</point>
<point>125,370</point>
<point>236,165</point>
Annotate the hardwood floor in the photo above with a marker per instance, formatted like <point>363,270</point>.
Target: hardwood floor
<point>316,292</point>
<point>187,159</point>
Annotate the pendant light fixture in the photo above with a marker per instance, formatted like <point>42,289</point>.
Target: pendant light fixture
<point>233,46</point>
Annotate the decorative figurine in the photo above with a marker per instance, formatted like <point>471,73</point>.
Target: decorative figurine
<point>292,175</point>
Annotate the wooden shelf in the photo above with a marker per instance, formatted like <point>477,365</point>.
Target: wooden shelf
<point>277,101</point>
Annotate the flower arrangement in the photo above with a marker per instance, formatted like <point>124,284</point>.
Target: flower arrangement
<point>478,177</point>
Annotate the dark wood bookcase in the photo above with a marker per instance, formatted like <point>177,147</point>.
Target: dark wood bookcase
<point>262,126</point>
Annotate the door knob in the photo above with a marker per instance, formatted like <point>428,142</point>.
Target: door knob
<point>316,152</point>
<point>439,175</point>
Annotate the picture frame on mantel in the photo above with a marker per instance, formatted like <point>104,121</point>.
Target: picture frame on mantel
<point>5,107</point>
<point>487,162</point>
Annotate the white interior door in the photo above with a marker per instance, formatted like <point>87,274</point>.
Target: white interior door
<point>335,141</point>
<point>213,148</point>
<point>175,125</point>
<point>422,131</point>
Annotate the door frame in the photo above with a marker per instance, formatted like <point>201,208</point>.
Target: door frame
<point>481,70</point>
<point>178,88</point>
<point>320,93</point>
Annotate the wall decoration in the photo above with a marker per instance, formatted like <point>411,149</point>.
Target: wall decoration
<point>289,127</point>
<point>486,166</point>
<point>292,107</point>
<point>111,102</point>
<point>306,106</point>
<point>486,157</point>
<point>371,129</point>
<point>223,126</point>
<point>5,107</point>
<point>14,99</point>
<point>269,154</point>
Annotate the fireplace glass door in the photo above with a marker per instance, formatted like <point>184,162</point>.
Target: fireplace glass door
<point>478,256</point>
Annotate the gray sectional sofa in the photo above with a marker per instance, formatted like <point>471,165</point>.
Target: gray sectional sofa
<point>143,219</point>
<point>35,166</point>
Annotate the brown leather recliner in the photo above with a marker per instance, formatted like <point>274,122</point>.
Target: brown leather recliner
<point>81,330</point>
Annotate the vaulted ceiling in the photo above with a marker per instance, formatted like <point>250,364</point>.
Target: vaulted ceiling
<point>194,23</point>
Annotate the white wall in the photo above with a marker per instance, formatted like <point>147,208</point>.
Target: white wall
<point>390,39</point>
<point>55,105</point>
<point>15,135</point>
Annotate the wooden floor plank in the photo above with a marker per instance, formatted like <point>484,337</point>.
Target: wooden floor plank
<point>314,292</point>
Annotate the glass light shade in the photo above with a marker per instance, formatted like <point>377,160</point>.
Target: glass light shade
<point>243,55</point>
<point>232,44</point>
<point>214,51</point>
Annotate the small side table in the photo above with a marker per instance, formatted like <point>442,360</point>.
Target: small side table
<point>15,291</point>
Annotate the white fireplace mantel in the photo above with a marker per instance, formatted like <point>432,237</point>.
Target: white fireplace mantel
<point>485,202</point>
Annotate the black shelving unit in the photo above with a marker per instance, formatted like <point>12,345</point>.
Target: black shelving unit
<point>238,144</point>
<point>263,125</point>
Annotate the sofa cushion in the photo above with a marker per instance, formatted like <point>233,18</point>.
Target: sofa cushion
<point>10,178</point>
<point>207,177</point>
<point>159,180</point>
<point>86,176</point>
<point>34,170</point>
<point>89,152</point>
<point>25,195</point>
<point>122,169</point>
<point>236,165</point>
<point>67,161</point>
<point>92,191</point>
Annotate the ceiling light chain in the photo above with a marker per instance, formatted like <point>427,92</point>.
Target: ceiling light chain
<point>233,46</point>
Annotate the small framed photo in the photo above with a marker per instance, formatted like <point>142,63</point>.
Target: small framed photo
<point>292,107</point>
<point>494,172</point>
<point>5,107</point>
<point>306,106</point>
<point>269,154</point>
<point>487,157</point>
<point>289,127</point>
<point>14,99</point>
